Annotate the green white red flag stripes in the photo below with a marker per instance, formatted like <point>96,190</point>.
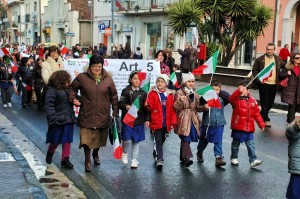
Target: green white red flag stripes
<point>132,113</point>
<point>266,73</point>
<point>117,145</point>
<point>145,81</point>
<point>209,67</point>
<point>210,96</point>
<point>173,79</point>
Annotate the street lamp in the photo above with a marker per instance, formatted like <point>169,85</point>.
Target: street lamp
<point>90,4</point>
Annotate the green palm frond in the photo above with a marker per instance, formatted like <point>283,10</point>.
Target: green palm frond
<point>181,14</point>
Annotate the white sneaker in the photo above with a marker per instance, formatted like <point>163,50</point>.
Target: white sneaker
<point>255,163</point>
<point>235,162</point>
<point>134,164</point>
<point>5,105</point>
<point>125,158</point>
<point>9,105</point>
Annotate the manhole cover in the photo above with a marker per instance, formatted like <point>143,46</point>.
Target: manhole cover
<point>4,157</point>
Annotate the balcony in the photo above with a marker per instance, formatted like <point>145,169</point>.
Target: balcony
<point>143,6</point>
<point>11,2</point>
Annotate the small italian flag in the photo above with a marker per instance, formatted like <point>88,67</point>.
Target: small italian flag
<point>14,68</point>
<point>63,50</point>
<point>3,51</point>
<point>173,79</point>
<point>210,96</point>
<point>266,72</point>
<point>117,145</point>
<point>28,88</point>
<point>209,67</point>
<point>145,81</point>
<point>131,115</point>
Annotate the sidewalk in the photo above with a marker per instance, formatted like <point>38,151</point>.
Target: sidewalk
<point>17,178</point>
<point>255,94</point>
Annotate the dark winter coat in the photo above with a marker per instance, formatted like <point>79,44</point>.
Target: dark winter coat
<point>259,65</point>
<point>58,108</point>
<point>245,112</point>
<point>127,98</point>
<point>185,64</point>
<point>170,61</point>
<point>288,94</point>
<point>293,135</point>
<point>25,74</point>
<point>138,55</point>
<point>5,75</point>
<point>96,99</point>
<point>37,77</point>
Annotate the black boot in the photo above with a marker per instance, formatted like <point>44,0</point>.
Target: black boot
<point>67,164</point>
<point>49,157</point>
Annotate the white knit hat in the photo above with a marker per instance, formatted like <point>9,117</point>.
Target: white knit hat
<point>164,77</point>
<point>187,76</point>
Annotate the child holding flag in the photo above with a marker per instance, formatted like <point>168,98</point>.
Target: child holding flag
<point>187,105</point>
<point>245,111</point>
<point>175,78</point>
<point>213,122</point>
<point>160,102</point>
<point>134,115</point>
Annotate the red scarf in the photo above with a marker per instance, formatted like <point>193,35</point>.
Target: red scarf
<point>297,70</point>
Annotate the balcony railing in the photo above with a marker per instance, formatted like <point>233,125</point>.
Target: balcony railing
<point>135,5</point>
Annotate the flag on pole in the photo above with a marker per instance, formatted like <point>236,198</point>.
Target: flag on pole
<point>145,81</point>
<point>173,79</point>
<point>210,96</point>
<point>63,50</point>
<point>132,113</point>
<point>209,67</point>
<point>28,88</point>
<point>3,51</point>
<point>14,68</point>
<point>266,72</point>
<point>117,145</point>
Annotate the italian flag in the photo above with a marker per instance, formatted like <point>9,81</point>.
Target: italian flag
<point>14,68</point>
<point>210,96</point>
<point>3,51</point>
<point>117,145</point>
<point>145,81</point>
<point>173,79</point>
<point>63,50</point>
<point>131,115</point>
<point>209,67</point>
<point>28,88</point>
<point>266,72</point>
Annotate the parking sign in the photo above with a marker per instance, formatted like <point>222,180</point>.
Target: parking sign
<point>102,27</point>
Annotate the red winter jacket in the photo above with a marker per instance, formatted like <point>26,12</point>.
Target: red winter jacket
<point>284,54</point>
<point>245,111</point>
<point>153,104</point>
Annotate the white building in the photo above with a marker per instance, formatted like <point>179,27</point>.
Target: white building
<point>142,23</point>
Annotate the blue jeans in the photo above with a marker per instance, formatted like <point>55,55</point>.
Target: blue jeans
<point>250,147</point>
<point>217,147</point>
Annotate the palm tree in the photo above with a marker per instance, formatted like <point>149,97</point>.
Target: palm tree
<point>228,23</point>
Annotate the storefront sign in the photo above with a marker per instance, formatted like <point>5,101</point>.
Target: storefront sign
<point>71,34</point>
<point>120,70</point>
<point>108,31</point>
<point>127,29</point>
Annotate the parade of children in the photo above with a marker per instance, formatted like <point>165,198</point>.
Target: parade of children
<point>60,117</point>
<point>133,133</point>
<point>187,104</point>
<point>212,128</point>
<point>160,103</point>
<point>169,120</point>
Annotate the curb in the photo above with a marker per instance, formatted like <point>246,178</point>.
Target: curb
<point>34,185</point>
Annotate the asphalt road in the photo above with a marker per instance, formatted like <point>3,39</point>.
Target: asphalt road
<point>112,179</point>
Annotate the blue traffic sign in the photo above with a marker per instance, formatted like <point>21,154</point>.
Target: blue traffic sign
<point>102,26</point>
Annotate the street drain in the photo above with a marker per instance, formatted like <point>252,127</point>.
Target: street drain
<point>48,180</point>
<point>4,157</point>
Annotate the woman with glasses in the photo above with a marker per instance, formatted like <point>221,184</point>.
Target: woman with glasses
<point>291,93</point>
<point>98,94</point>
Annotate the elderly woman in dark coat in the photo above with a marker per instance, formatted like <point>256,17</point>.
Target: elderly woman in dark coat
<point>185,64</point>
<point>98,94</point>
<point>291,93</point>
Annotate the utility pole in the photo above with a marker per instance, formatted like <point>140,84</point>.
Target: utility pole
<point>112,25</point>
